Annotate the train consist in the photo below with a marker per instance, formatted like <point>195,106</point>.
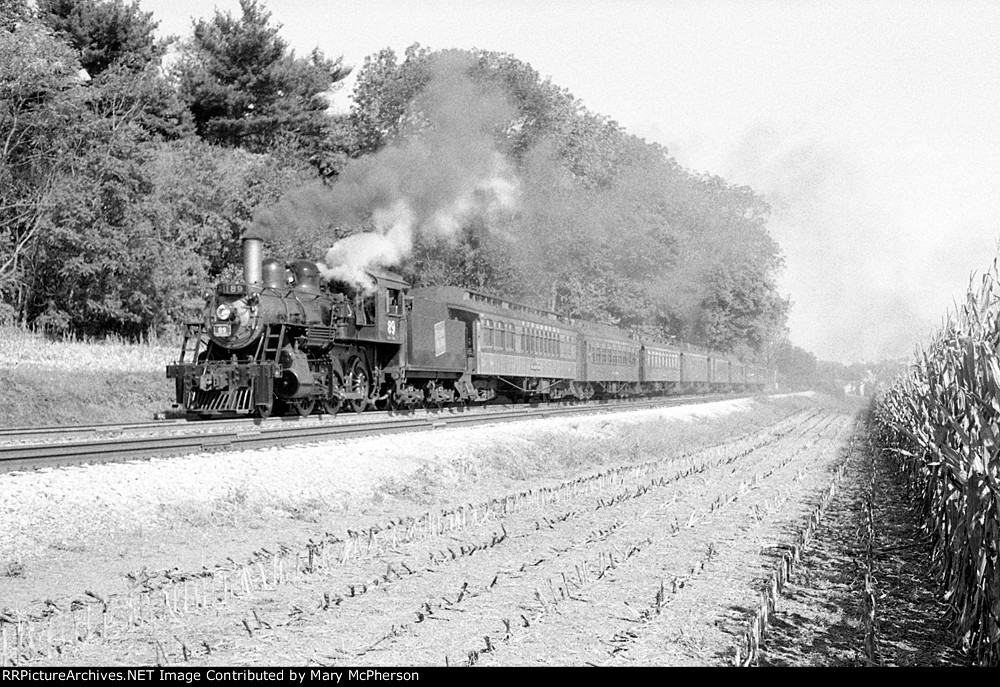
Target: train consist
<point>286,341</point>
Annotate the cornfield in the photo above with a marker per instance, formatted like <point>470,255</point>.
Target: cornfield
<point>941,425</point>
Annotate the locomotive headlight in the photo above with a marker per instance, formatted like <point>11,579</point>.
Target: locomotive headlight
<point>224,312</point>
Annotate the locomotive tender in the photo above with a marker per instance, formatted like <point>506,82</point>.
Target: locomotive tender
<point>285,340</point>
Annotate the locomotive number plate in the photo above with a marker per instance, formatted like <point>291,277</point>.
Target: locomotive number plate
<point>221,329</point>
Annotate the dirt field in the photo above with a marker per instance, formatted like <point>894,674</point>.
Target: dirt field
<point>635,539</point>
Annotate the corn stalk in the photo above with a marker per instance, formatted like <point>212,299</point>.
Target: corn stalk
<point>940,424</point>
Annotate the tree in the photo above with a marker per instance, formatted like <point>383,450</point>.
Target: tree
<point>94,260</point>
<point>204,198</point>
<point>117,47</point>
<point>105,32</point>
<point>606,227</point>
<point>13,12</point>
<point>40,109</point>
<point>796,367</point>
<point>383,95</point>
<point>246,89</point>
<point>143,98</point>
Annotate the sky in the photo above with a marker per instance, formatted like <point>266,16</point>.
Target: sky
<point>872,128</point>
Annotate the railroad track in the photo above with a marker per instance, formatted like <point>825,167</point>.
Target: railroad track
<point>45,447</point>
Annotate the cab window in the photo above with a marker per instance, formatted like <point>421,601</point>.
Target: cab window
<point>394,301</point>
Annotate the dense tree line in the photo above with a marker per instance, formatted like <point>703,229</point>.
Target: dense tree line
<point>125,186</point>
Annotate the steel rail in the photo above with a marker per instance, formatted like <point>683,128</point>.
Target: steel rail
<point>270,433</point>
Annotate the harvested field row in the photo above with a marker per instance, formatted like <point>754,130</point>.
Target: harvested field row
<point>649,562</point>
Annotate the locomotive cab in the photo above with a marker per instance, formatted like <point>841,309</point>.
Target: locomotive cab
<point>376,313</point>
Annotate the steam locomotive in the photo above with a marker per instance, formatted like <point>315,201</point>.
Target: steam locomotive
<point>287,341</point>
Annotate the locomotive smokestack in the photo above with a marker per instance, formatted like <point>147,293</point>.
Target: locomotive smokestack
<point>252,245</point>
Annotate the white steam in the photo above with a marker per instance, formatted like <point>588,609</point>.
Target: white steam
<point>350,258</point>
<point>440,176</point>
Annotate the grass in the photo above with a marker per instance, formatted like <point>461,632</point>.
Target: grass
<point>21,347</point>
<point>235,508</point>
<point>60,382</point>
<point>561,454</point>
<point>238,508</point>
